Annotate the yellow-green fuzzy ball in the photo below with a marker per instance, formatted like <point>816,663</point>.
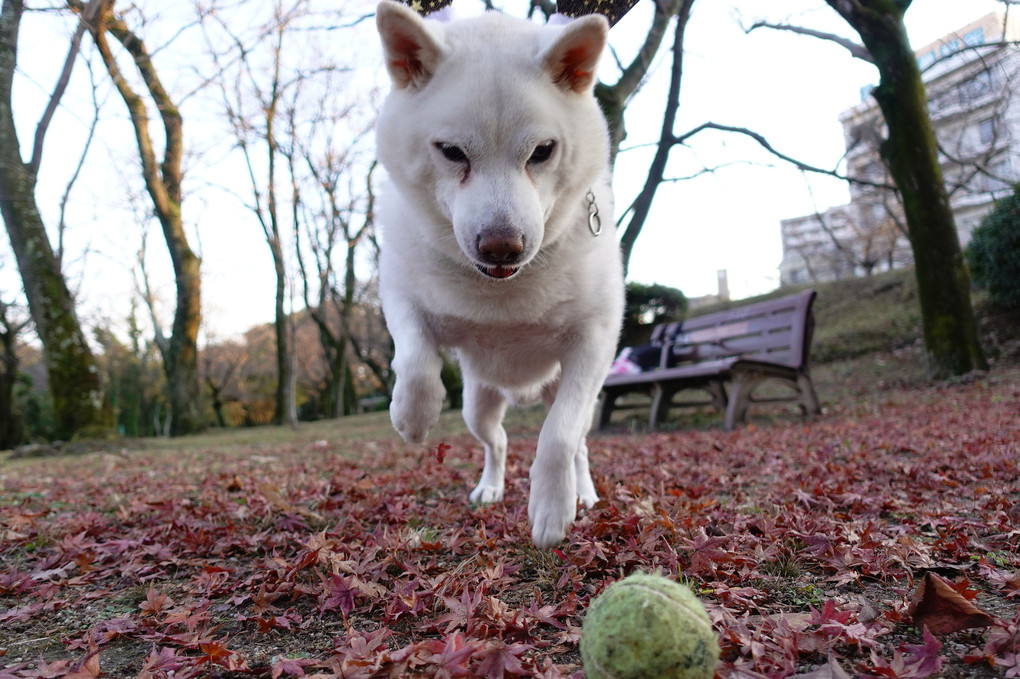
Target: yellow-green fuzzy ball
<point>648,627</point>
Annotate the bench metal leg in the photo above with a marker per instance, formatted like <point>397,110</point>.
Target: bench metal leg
<point>808,398</point>
<point>659,407</point>
<point>718,393</point>
<point>743,396</point>
<point>662,400</point>
<point>606,405</point>
<point>740,399</point>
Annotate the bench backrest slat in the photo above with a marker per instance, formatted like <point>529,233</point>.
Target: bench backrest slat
<point>776,330</point>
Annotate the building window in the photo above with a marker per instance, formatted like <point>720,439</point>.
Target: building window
<point>949,47</point>
<point>924,61</point>
<point>975,37</point>
<point>978,86</point>
<point>986,130</point>
<point>1000,177</point>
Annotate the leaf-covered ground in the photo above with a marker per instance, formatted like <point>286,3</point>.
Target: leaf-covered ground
<point>821,549</point>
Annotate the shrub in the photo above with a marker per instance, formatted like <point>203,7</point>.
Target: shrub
<point>647,306</point>
<point>993,253</point>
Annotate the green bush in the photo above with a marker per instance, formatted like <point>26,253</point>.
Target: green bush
<point>993,253</point>
<point>647,306</point>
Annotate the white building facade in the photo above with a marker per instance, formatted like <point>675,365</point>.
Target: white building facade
<point>972,78</point>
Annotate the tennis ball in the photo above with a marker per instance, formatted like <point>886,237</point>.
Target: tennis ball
<point>648,627</point>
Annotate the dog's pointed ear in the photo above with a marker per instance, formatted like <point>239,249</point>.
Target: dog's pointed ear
<point>410,49</point>
<point>572,59</point>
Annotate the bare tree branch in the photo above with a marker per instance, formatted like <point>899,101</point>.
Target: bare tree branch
<point>65,197</point>
<point>88,18</point>
<point>764,143</point>
<point>856,50</point>
<point>643,203</point>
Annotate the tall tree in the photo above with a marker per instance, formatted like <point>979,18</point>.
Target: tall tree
<point>910,150</point>
<point>163,183</point>
<point>642,205</point>
<point>325,208</point>
<point>11,422</point>
<point>253,104</point>
<point>74,382</point>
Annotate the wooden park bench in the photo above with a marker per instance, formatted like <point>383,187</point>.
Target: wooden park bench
<point>739,348</point>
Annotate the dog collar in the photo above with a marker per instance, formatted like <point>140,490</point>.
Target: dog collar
<point>594,221</point>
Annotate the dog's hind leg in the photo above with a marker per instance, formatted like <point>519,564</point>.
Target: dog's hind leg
<point>484,408</point>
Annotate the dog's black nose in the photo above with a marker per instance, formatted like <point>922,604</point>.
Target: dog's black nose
<point>500,248</point>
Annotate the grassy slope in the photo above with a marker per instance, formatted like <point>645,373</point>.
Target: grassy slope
<point>880,314</point>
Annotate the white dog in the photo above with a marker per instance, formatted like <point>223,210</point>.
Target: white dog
<point>498,155</point>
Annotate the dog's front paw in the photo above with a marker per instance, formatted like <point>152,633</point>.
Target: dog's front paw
<point>486,494</point>
<point>552,505</point>
<point>416,406</point>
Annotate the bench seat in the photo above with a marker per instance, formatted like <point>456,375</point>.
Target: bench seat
<point>738,348</point>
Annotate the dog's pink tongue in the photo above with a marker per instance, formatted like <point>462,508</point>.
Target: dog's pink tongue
<point>502,271</point>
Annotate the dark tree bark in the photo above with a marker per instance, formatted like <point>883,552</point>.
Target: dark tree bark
<point>911,153</point>
<point>74,382</point>
<point>614,98</point>
<point>11,423</point>
<point>163,183</point>
<point>656,171</point>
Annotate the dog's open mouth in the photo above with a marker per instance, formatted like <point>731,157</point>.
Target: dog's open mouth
<point>498,271</point>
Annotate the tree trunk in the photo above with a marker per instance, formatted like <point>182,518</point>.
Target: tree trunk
<point>284,383</point>
<point>911,153</point>
<point>614,98</point>
<point>163,183</point>
<point>656,171</point>
<point>74,382</point>
<point>334,350</point>
<point>11,422</point>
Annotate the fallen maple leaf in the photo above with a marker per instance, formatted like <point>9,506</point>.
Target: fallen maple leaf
<point>939,607</point>
<point>293,667</point>
<point>925,657</point>
<point>272,495</point>
<point>154,602</point>
<point>88,669</point>
<point>830,670</point>
<point>441,451</point>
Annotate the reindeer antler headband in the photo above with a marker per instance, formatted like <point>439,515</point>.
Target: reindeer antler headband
<point>612,10</point>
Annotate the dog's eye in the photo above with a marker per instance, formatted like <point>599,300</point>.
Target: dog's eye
<point>542,152</point>
<point>452,153</point>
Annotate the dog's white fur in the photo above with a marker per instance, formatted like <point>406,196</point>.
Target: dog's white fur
<point>492,139</point>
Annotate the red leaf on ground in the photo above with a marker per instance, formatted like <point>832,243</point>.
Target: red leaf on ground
<point>154,602</point>
<point>441,450</point>
<point>293,667</point>
<point>925,657</point>
<point>830,670</point>
<point>939,607</point>
<point>88,670</point>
